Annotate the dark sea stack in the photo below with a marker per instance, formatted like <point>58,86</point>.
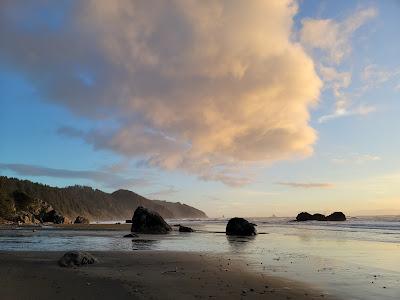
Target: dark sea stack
<point>147,221</point>
<point>304,216</point>
<point>76,259</point>
<point>318,217</point>
<point>185,229</point>
<point>240,226</point>
<point>81,220</point>
<point>336,216</point>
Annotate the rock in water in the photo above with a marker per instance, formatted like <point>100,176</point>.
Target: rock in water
<point>336,216</point>
<point>185,229</point>
<point>81,220</point>
<point>147,221</point>
<point>304,216</point>
<point>76,259</point>
<point>130,235</point>
<point>318,217</point>
<point>240,226</point>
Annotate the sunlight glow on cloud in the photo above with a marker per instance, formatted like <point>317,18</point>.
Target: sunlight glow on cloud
<point>207,87</point>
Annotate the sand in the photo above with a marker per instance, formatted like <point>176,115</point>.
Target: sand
<point>140,275</point>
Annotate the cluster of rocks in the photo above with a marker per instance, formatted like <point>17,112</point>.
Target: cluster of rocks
<point>336,216</point>
<point>29,210</point>
<point>25,209</point>
<point>48,215</point>
<point>150,222</point>
<point>146,221</point>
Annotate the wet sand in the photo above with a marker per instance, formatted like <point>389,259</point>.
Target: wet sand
<point>141,275</point>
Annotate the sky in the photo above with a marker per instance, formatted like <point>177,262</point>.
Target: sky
<point>239,108</point>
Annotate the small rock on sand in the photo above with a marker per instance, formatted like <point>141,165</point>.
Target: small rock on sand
<point>76,259</point>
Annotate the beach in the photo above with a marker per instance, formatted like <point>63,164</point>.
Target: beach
<point>358,259</point>
<point>141,275</point>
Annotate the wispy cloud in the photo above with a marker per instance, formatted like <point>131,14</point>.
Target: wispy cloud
<point>108,179</point>
<point>307,185</point>
<point>333,39</point>
<point>356,158</point>
<point>160,194</point>
<point>340,113</point>
<point>335,80</point>
<point>374,76</point>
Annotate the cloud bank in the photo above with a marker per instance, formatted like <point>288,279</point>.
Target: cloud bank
<point>207,87</point>
<point>161,194</point>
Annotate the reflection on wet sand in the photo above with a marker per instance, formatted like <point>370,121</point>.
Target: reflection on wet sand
<point>144,244</point>
<point>239,243</point>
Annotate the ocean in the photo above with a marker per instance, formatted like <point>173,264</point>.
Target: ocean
<point>356,259</point>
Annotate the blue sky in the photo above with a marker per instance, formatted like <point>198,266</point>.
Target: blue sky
<point>71,112</point>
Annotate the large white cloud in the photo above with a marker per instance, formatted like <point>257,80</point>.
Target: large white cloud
<point>203,86</point>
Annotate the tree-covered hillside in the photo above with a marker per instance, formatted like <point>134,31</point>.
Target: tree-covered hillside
<point>91,203</point>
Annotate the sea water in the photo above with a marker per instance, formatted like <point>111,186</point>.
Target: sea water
<point>356,259</point>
